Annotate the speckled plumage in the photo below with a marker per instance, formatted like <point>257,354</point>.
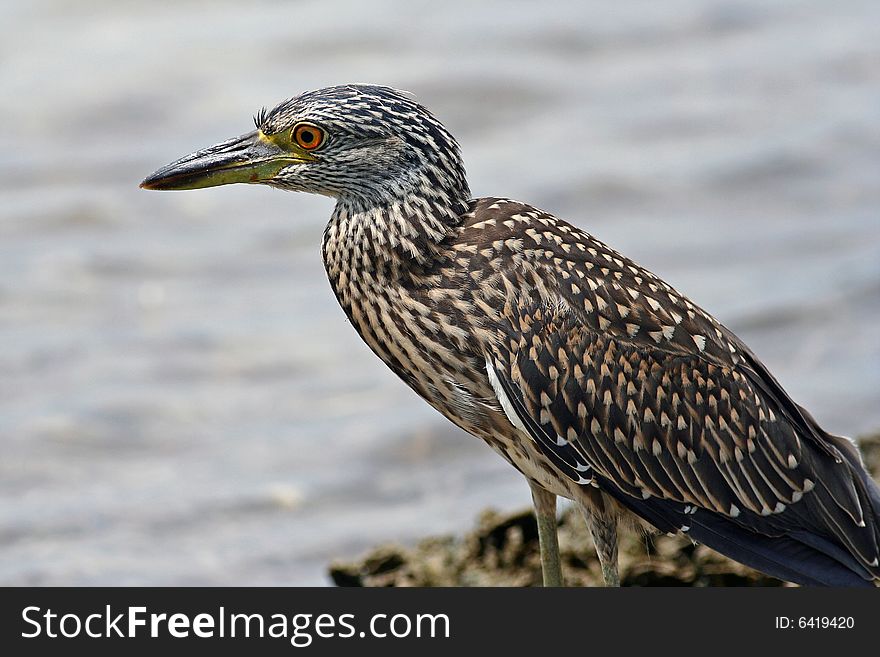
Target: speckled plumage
<point>593,377</point>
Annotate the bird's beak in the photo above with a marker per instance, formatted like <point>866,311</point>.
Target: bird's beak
<point>251,158</point>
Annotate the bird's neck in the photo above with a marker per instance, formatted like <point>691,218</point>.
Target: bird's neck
<point>383,238</point>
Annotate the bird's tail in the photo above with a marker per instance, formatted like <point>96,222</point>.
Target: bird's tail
<point>802,558</point>
<point>867,490</point>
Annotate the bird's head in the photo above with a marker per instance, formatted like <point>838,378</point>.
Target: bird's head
<point>364,144</point>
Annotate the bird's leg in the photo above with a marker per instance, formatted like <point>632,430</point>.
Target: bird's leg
<point>605,538</point>
<point>602,523</point>
<point>548,541</point>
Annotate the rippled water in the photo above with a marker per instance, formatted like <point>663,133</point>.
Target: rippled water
<point>181,401</point>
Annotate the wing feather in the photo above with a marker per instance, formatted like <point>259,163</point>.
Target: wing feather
<point>608,366</point>
<point>574,391</point>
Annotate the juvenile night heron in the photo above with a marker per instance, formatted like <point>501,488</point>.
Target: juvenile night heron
<point>594,378</point>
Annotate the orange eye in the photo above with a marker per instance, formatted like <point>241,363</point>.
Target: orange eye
<point>308,136</point>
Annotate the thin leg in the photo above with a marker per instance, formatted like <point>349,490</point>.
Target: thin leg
<point>603,528</point>
<point>604,532</point>
<point>548,541</point>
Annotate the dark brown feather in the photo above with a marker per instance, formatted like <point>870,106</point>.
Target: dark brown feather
<point>660,398</point>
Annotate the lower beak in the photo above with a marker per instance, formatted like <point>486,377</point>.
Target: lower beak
<point>251,158</point>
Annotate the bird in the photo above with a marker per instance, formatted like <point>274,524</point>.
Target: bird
<point>594,378</point>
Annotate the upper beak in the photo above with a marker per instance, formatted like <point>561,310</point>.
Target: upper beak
<point>251,158</point>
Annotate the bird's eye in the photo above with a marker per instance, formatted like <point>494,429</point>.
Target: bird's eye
<point>308,136</point>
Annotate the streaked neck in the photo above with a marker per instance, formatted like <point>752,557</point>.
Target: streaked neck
<point>404,227</point>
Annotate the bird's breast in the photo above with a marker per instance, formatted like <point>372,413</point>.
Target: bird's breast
<point>419,332</point>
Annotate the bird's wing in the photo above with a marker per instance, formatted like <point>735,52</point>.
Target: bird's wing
<point>687,444</point>
<point>614,374</point>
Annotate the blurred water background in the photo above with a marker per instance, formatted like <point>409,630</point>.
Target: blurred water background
<point>181,399</point>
